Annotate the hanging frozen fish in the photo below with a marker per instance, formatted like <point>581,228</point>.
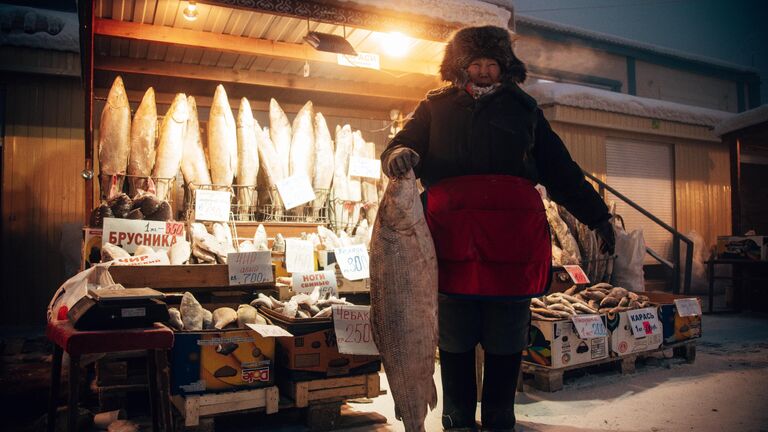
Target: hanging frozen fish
<point>341,190</point>
<point>281,134</point>
<point>271,170</point>
<point>370,189</point>
<point>222,139</point>
<point>143,140</point>
<point>355,183</point>
<point>114,137</point>
<point>247,157</point>
<point>324,159</point>
<point>404,301</point>
<point>194,165</point>
<point>170,145</point>
<point>223,317</point>
<point>302,154</point>
<point>191,312</point>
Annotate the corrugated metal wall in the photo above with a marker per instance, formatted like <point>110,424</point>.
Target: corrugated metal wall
<point>42,190</point>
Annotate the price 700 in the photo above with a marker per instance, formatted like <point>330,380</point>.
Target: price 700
<point>250,278</point>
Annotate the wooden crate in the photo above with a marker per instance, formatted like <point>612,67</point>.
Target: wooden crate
<point>306,393</point>
<point>170,277</point>
<point>193,407</point>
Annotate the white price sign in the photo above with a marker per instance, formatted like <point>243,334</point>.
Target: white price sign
<point>299,256</point>
<point>130,234</point>
<point>295,191</point>
<point>307,282</point>
<point>589,326</point>
<point>352,325</point>
<point>212,205</point>
<point>353,262</point>
<point>246,268</point>
<point>269,330</point>
<point>364,167</point>
<point>688,307</point>
<point>577,274</point>
<point>644,322</point>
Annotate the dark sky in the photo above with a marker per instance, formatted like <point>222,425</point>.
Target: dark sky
<point>735,31</point>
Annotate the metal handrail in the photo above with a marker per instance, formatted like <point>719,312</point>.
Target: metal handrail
<point>677,237</point>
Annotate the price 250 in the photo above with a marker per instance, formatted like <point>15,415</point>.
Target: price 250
<point>358,333</point>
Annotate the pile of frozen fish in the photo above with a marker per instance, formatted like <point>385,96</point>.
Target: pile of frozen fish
<point>192,316</point>
<point>599,298</point>
<point>301,305</point>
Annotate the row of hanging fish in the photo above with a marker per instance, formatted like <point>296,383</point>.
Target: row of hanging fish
<point>599,298</point>
<point>192,316</point>
<point>238,151</point>
<point>303,306</point>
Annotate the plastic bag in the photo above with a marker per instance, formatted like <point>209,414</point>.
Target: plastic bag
<point>76,287</point>
<point>628,265</point>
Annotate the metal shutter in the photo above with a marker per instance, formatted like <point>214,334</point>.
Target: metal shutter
<point>643,172</point>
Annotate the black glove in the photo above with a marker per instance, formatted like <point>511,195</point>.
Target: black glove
<point>401,161</point>
<point>605,234</point>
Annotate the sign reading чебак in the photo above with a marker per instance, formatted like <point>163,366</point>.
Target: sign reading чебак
<point>130,234</point>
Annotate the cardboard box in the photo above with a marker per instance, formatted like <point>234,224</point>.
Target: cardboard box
<point>676,328</point>
<point>623,342</point>
<point>556,344</point>
<point>91,251</point>
<point>221,360</point>
<point>743,247</point>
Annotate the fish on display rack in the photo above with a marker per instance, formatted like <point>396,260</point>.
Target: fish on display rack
<point>222,140</point>
<point>370,189</point>
<point>143,142</point>
<point>271,170</point>
<point>170,145</point>
<point>247,157</point>
<point>281,135</point>
<point>114,137</point>
<point>302,153</point>
<point>344,144</point>
<point>324,159</point>
<point>194,164</point>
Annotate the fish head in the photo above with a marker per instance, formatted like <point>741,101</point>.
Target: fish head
<point>401,207</point>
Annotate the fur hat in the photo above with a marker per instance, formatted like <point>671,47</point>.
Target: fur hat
<point>471,43</point>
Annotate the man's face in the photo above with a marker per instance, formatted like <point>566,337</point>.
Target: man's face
<point>484,71</point>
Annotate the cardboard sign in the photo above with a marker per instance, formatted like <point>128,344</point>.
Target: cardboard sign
<point>299,256</point>
<point>353,262</point>
<point>143,260</point>
<point>307,282</point>
<point>577,274</point>
<point>269,330</point>
<point>589,326</point>
<point>212,205</point>
<point>352,325</point>
<point>130,234</point>
<point>295,191</point>
<point>362,59</point>
<point>246,268</point>
<point>688,307</point>
<point>644,322</point>
<point>364,167</point>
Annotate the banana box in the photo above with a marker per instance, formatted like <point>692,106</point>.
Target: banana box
<point>676,328</point>
<point>221,360</point>
<point>623,341</point>
<point>556,344</point>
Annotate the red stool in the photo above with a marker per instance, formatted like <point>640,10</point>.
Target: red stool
<point>157,341</point>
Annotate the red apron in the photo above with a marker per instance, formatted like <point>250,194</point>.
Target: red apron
<point>491,236</point>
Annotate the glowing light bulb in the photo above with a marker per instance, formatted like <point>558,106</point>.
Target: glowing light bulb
<point>396,44</point>
<point>190,12</point>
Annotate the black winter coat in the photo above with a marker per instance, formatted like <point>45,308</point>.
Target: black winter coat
<point>501,133</point>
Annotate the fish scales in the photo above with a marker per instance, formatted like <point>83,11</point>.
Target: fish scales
<point>143,140</point>
<point>170,144</point>
<point>247,157</point>
<point>222,139</point>
<point>324,159</point>
<point>404,301</point>
<point>114,136</point>
<point>194,163</point>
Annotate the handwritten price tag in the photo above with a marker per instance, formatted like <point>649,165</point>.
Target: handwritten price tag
<point>295,191</point>
<point>130,234</point>
<point>577,274</point>
<point>688,307</point>
<point>269,330</point>
<point>247,268</point>
<point>644,322</point>
<point>364,167</point>
<point>352,325</point>
<point>299,256</point>
<point>589,326</point>
<point>307,282</point>
<point>353,262</point>
<point>212,205</point>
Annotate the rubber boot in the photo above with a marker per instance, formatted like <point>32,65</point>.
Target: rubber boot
<point>457,372</point>
<point>499,387</point>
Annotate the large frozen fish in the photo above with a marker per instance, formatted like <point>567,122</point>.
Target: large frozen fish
<point>222,139</point>
<point>281,134</point>
<point>370,188</point>
<point>223,317</point>
<point>114,136</point>
<point>191,312</point>
<point>170,144</point>
<point>271,169</point>
<point>302,155</point>
<point>194,164</point>
<point>341,193</point>
<point>247,157</point>
<point>143,140</point>
<point>324,159</point>
<point>246,314</point>
<point>355,183</point>
<point>404,301</point>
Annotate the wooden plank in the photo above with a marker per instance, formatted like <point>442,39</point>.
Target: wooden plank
<point>273,400</point>
<point>336,382</point>
<point>269,79</point>
<point>182,276</point>
<point>228,43</point>
<point>373,385</point>
<point>236,396</point>
<point>232,406</point>
<point>301,394</point>
<point>191,410</point>
<point>339,392</point>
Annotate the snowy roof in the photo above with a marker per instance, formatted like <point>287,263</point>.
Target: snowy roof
<point>579,32</point>
<point>39,28</point>
<point>743,120</point>
<point>465,12</point>
<point>604,100</point>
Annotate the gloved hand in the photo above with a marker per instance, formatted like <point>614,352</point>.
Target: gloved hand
<point>607,237</point>
<point>401,161</point>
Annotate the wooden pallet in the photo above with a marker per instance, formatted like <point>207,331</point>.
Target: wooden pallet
<point>193,407</point>
<point>550,380</point>
<point>306,393</point>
